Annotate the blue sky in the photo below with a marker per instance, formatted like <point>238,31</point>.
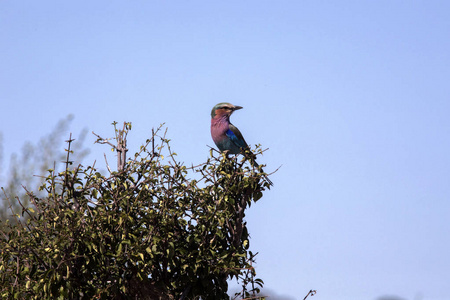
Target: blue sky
<point>351,97</point>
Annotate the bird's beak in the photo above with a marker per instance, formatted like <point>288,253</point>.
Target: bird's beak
<point>237,107</point>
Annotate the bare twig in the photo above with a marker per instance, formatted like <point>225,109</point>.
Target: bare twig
<point>311,292</point>
<point>67,162</point>
<point>107,165</point>
<point>101,140</point>
<point>121,137</point>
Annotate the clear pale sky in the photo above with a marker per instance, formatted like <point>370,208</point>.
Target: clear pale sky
<point>351,97</point>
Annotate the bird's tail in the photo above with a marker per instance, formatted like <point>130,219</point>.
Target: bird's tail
<point>252,157</point>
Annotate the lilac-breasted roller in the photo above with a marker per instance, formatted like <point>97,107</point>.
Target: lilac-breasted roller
<point>225,135</point>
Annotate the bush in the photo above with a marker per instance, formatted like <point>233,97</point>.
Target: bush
<point>146,231</point>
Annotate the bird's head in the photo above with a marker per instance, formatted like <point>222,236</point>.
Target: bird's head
<point>224,109</point>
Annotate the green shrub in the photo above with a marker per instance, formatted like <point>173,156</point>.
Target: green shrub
<point>153,229</point>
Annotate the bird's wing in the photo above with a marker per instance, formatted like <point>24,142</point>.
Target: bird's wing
<point>236,137</point>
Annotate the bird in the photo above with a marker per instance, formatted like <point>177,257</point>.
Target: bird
<point>226,136</point>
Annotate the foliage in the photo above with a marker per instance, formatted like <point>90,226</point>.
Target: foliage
<point>145,231</point>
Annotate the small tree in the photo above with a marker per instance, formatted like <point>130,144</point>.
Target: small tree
<point>153,229</point>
